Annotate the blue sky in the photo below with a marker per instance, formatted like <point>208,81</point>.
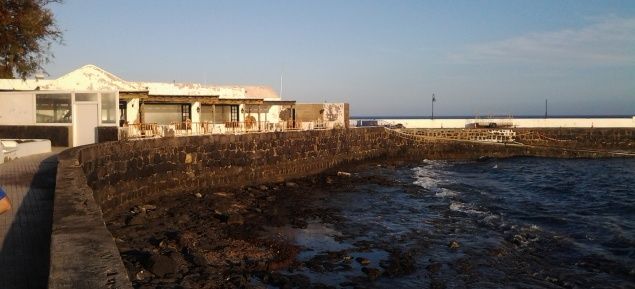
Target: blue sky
<point>383,57</point>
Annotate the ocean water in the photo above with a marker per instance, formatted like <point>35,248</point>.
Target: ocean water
<point>518,223</point>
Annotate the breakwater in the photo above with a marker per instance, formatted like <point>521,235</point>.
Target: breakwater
<point>93,180</point>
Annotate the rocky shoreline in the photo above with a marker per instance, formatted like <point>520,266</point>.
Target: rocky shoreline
<point>371,225</point>
<point>220,239</point>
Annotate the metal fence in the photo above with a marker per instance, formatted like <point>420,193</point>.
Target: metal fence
<point>150,130</point>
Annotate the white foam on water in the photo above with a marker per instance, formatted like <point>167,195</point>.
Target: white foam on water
<point>463,208</point>
<point>445,193</point>
<point>428,177</point>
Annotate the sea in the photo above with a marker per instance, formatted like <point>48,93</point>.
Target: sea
<point>499,223</point>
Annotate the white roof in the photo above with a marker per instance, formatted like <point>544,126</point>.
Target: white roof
<point>91,77</point>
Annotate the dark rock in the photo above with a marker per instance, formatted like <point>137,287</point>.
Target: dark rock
<point>278,279</point>
<point>235,219</point>
<point>299,281</point>
<point>239,281</point>
<point>434,267</point>
<point>199,260</point>
<point>221,216</point>
<point>399,264</point>
<point>372,273</point>
<point>161,265</point>
<point>363,261</point>
<point>436,284</point>
<point>143,275</point>
<point>137,219</point>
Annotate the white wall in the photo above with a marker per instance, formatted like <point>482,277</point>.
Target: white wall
<point>17,108</point>
<point>132,111</point>
<point>518,122</point>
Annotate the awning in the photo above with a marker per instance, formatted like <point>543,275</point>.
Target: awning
<point>133,94</point>
<point>279,102</point>
<point>204,99</point>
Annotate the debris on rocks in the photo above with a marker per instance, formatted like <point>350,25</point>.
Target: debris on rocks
<point>198,195</point>
<point>454,244</point>
<point>343,174</point>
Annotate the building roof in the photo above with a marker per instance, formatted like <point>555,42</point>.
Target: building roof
<point>91,77</point>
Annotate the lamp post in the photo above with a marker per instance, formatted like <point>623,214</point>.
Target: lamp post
<point>433,101</point>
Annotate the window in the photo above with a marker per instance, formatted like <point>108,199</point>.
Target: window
<point>85,97</point>
<point>234,113</point>
<point>108,107</point>
<point>53,108</point>
<point>186,110</point>
<point>123,112</point>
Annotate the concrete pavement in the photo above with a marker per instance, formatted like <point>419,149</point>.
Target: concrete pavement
<point>25,231</point>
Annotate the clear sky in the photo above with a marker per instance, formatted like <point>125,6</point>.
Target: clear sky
<point>383,57</point>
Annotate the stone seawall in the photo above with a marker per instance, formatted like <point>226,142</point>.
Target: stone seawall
<point>96,179</point>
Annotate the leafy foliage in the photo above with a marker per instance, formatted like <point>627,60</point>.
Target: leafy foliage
<point>27,31</point>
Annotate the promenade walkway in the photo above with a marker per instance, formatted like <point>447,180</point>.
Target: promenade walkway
<point>25,231</point>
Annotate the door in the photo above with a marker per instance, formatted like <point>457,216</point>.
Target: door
<point>85,123</point>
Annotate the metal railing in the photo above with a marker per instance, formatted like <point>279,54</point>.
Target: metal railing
<point>187,128</point>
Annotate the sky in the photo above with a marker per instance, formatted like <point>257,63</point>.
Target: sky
<point>383,57</point>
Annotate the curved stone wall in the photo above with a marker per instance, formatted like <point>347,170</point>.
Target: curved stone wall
<point>96,179</point>
<point>92,180</point>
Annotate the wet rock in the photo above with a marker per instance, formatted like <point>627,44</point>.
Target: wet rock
<point>239,281</point>
<point>436,284</point>
<point>363,261</point>
<point>278,279</point>
<point>142,275</point>
<point>299,281</point>
<point>434,267</point>
<point>454,245</point>
<point>400,264</point>
<point>161,266</point>
<point>198,195</point>
<point>519,240</point>
<point>372,273</point>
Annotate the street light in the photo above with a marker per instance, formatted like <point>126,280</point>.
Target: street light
<point>433,101</point>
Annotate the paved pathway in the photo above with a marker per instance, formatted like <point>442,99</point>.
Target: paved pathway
<point>25,231</point>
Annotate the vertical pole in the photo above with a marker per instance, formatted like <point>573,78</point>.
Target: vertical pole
<point>433,100</point>
<point>259,128</point>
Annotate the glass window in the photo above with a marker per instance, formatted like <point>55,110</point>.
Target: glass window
<point>234,113</point>
<point>186,110</point>
<point>108,108</point>
<point>53,108</point>
<point>162,113</point>
<point>85,97</point>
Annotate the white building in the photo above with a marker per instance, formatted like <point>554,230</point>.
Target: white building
<point>90,97</point>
